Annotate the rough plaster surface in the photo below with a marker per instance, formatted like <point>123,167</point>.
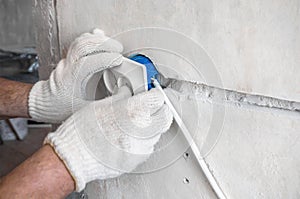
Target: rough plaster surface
<point>257,152</point>
<point>233,97</point>
<point>257,155</point>
<point>254,44</point>
<point>16,24</point>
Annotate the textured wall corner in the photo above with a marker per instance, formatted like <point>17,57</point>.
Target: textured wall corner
<point>46,36</point>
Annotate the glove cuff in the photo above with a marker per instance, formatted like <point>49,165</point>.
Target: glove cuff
<point>65,143</point>
<point>46,103</point>
<point>69,147</point>
<point>41,103</point>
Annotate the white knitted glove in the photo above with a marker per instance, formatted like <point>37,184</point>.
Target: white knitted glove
<point>109,137</point>
<point>65,92</point>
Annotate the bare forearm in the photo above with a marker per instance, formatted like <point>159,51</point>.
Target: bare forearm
<point>41,176</point>
<point>14,99</point>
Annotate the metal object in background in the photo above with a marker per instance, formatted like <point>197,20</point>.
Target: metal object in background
<point>19,65</point>
<point>13,129</point>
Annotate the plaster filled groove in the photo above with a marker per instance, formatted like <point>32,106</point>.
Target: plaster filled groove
<point>205,92</point>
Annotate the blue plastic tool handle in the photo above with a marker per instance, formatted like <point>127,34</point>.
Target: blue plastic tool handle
<point>150,68</point>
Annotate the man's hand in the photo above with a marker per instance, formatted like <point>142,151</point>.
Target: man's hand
<point>103,140</point>
<point>65,92</point>
<point>110,137</point>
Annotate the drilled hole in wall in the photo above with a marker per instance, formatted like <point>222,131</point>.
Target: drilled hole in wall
<point>186,181</point>
<point>186,155</point>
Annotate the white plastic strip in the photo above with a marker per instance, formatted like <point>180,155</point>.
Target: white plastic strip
<point>212,181</point>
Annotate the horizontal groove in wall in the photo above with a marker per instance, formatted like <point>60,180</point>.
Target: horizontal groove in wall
<point>215,94</point>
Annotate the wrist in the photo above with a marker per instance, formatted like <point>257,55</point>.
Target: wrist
<point>46,170</point>
<point>14,98</point>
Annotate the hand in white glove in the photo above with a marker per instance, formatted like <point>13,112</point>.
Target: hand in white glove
<point>65,92</point>
<point>109,137</point>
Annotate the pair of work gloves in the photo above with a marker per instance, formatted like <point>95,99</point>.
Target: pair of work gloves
<point>98,139</point>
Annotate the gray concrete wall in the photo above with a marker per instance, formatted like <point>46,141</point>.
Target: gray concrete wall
<point>255,47</point>
<point>255,44</point>
<point>16,24</point>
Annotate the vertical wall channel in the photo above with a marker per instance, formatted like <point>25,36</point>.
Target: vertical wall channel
<point>47,36</point>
